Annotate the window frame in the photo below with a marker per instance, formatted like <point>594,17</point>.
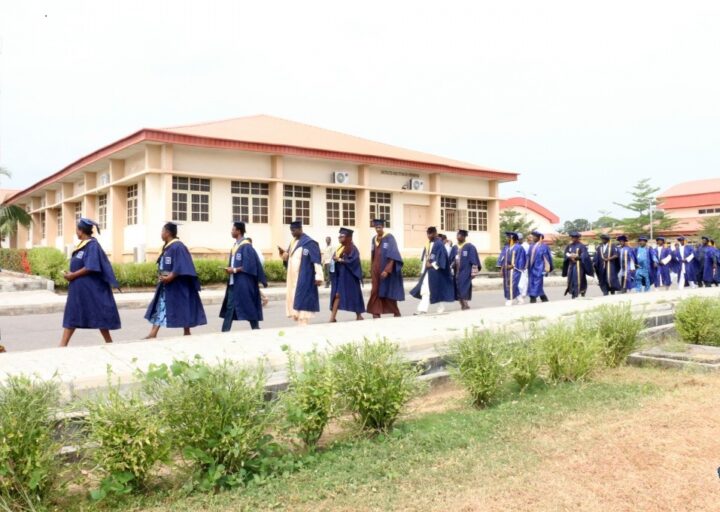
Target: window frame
<point>376,205</point>
<point>256,195</point>
<point>297,194</point>
<point>342,202</point>
<point>187,193</point>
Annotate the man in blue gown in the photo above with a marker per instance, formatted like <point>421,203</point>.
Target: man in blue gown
<point>386,265</point>
<point>708,263</point>
<point>177,297</point>
<point>627,264</point>
<point>346,282</point>
<point>245,274</point>
<point>540,264</point>
<point>605,262</point>
<point>646,263</point>
<point>684,256</point>
<point>577,265</point>
<point>512,263</point>
<point>435,285</point>
<point>466,264</point>
<point>302,260</point>
<point>664,260</point>
<point>90,302</point>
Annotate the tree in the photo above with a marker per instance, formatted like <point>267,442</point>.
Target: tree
<point>510,220</point>
<point>710,227</point>
<point>11,215</point>
<point>605,220</point>
<point>643,198</point>
<point>576,225</point>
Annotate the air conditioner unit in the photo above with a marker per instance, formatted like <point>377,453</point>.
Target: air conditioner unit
<point>341,177</point>
<point>139,254</point>
<point>104,179</point>
<point>416,184</point>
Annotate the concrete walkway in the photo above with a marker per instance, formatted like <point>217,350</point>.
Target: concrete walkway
<point>44,301</point>
<point>83,369</point>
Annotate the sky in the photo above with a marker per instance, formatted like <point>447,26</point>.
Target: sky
<point>583,99</point>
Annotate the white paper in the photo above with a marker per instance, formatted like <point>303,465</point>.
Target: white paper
<point>666,259</point>
<point>690,258</point>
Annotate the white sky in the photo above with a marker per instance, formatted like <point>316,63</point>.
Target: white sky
<point>582,98</point>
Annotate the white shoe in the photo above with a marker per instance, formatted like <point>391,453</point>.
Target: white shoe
<point>521,300</point>
<point>441,309</point>
<point>508,303</point>
<point>420,313</point>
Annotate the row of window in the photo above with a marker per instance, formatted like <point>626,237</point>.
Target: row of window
<point>708,211</point>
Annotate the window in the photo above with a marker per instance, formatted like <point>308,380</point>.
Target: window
<point>708,211</point>
<point>448,213</point>
<point>78,212</point>
<point>380,206</point>
<point>102,210</point>
<point>132,204</point>
<point>477,215</point>
<point>199,189</point>
<point>296,204</point>
<point>59,222</point>
<point>249,202</point>
<point>340,207</point>
<point>42,225</point>
<point>59,196</point>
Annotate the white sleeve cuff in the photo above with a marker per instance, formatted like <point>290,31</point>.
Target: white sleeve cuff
<point>319,272</point>
<point>435,266</point>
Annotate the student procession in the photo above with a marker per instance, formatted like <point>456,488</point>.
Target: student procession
<point>447,273</point>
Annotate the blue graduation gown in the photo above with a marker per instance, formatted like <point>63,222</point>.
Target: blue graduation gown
<point>539,263</point>
<point>709,264</point>
<point>578,270</point>
<point>392,286</point>
<point>512,255</point>
<point>607,271</point>
<point>182,296</point>
<point>628,263</point>
<point>90,302</point>
<point>464,257</point>
<point>306,293</point>
<point>442,288</point>
<point>346,281</point>
<point>662,271</point>
<point>685,268</point>
<point>245,288</point>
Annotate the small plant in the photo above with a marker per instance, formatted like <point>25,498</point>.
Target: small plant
<point>48,262</point>
<point>697,320</point>
<point>28,464</point>
<point>524,362</point>
<point>218,418</point>
<point>375,383</point>
<point>411,267</point>
<point>618,328</point>
<point>309,402</point>
<point>490,263</point>
<point>570,351</point>
<point>128,440</point>
<point>476,362</point>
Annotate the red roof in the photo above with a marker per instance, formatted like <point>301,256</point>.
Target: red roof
<point>690,201</point>
<point>694,187</point>
<point>513,202</point>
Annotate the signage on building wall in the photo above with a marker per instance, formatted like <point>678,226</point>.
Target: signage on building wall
<point>400,173</point>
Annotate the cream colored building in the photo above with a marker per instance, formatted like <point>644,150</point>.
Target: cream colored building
<point>540,217</point>
<point>265,171</point>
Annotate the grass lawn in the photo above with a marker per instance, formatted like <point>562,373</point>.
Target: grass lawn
<point>633,439</point>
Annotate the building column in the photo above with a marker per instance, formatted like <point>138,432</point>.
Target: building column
<point>50,227</point>
<point>494,218</point>
<point>435,201</point>
<point>36,230</point>
<point>117,219</point>
<point>278,230</point>
<point>363,232</point>
<point>20,238</point>
<point>68,223</point>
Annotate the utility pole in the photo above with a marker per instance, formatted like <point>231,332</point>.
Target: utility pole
<point>651,206</point>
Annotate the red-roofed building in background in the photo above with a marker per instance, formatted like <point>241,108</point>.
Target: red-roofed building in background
<point>690,203</point>
<point>541,218</point>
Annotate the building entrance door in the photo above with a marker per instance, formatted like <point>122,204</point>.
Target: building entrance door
<point>415,219</point>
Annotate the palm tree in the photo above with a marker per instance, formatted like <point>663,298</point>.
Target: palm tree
<point>11,215</point>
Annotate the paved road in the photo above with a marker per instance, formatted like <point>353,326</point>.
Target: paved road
<point>30,332</point>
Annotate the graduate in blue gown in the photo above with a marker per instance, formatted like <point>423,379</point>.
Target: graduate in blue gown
<point>346,283</point>
<point>90,302</point>
<point>177,297</point>
<point>466,265</point>
<point>664,264</point>
<point>716,275</point>
<point>707,263</point>
<point>684,256</point>
<point>606,264</point>
<point>512,263</point>
<point>386,273</point>
<point>302,260</point>
<point>646,264</point>
<point>435,285</point>
<point>627,264</point>
<point>577,265</point>
<point>245,275</point>
<point>539,265</point>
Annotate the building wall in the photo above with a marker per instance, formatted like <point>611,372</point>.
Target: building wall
<point>538,221</point>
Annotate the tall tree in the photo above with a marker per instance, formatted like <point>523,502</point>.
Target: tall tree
<point>605,220</point>
<point>576,225</point>
<point>11,215</point>
<point>642,200</point>
<point>510,220</point>
<point>710,227</point>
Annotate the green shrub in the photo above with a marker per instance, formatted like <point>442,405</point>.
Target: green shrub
<point>48,262</point>
<point>28,463</point>
<point>476,362</point>
<point>217,418</point>
<point>135,274</point>
<point>275,271</point>
<point>128,440</point>
<point>11,259</point>
<point>309,402</point>
<point>411,267</point>
<point>570,351</point>
<point>618,328</point>
<point>558,262</point>
<point>524,362</point>
<point>697,320</point>
<point>374,382</point>
<point>366,270</point>
<point>490,263</point>
<point>211,271</point>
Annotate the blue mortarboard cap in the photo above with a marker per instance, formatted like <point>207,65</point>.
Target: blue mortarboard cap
<point>296,224</point>
<point>512,234</point>
<point>574,234</point>
<point>659,238</point>
<point>378,222</point>
<point>642,238</point>
<point>537,234</point>
<point>462,232</point>
<point>621,238</point>
<point>680,238</point>
<point>704,238</point>
<point>346,231</point>
<point>604,236</point>
<point>84,221</point>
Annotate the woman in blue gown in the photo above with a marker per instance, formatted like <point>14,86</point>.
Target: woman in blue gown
<point>90,302</point>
